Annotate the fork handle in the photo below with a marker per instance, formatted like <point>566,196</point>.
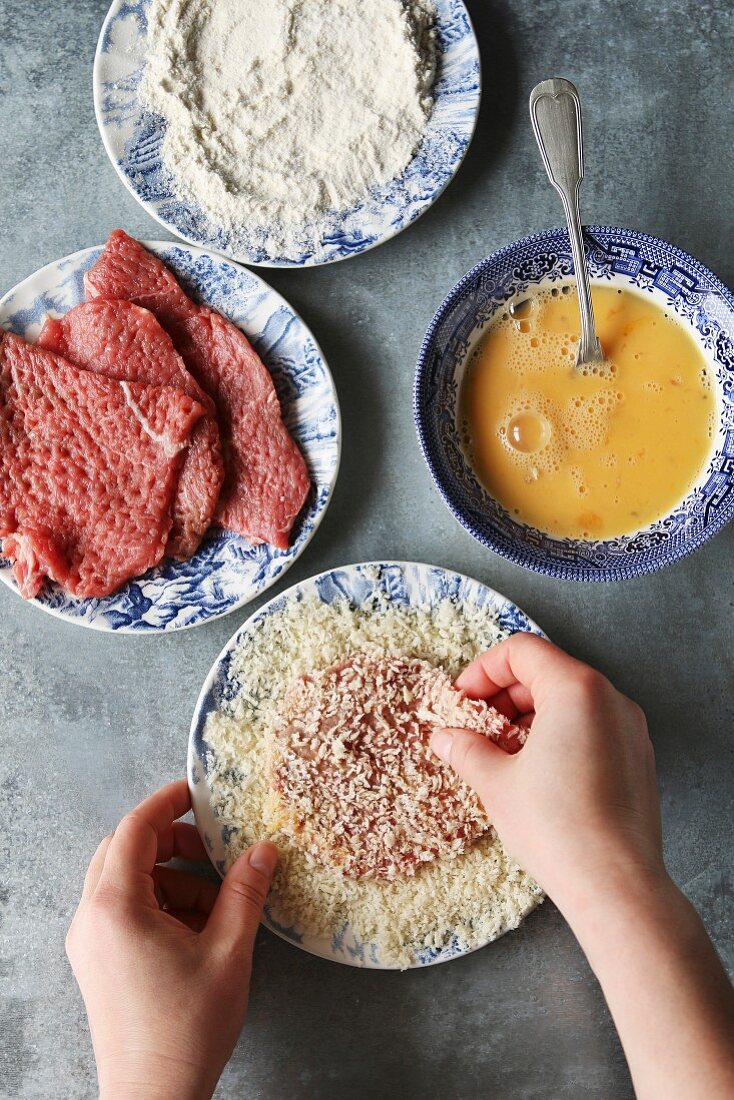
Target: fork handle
<point>555,112</point>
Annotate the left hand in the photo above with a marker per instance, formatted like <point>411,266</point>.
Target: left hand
<point>163,957</point>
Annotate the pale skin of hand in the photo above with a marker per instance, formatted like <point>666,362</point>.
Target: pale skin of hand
<point>163,957</point>
<point>578,808</point>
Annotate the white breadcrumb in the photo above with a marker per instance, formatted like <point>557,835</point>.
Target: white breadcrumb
<point>464,901</point>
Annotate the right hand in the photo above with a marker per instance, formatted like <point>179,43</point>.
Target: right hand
<point>578,805</point>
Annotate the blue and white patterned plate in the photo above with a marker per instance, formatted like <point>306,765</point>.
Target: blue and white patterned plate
<point>227,571</point>
<point>630,260</point>
<point>133,138</point>
<point>411,584</point>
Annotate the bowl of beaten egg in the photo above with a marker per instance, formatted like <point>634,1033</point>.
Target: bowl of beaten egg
<point>597,474</point>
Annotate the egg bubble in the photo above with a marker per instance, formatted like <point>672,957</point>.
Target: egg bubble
<point>528,432</point>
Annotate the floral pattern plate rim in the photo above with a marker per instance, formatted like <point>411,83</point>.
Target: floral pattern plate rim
<point>408,583</point>
<point>631,259</point>
<point>133,138</point>
<point>226,572</point>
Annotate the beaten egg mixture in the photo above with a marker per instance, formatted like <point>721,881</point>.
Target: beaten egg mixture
<point>590,452</point>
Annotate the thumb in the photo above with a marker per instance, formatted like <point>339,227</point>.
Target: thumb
<point>238,909</point>
<point>473,756</point>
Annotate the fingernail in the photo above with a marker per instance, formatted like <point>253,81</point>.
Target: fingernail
<point>441,743</point>
<point>263,857</point>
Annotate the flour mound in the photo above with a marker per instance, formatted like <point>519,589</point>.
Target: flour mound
<point>280,112</point>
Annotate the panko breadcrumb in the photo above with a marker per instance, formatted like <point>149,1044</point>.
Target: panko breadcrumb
<point>352,777</point>
<point>462,902</point>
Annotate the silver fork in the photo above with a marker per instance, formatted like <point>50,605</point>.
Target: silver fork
<point>555,112</point>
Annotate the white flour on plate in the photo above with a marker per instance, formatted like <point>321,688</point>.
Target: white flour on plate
<point>281,111</point>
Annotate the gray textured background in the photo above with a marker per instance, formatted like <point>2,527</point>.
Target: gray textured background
<point>92,723</point>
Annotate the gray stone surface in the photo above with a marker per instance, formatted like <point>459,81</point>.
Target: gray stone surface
<point>90,723</point>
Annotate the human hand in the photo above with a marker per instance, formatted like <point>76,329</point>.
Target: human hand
<point>163,957</point>
<point>578,806</point>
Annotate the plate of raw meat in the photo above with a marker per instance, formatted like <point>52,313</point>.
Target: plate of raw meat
<point>170,436</point>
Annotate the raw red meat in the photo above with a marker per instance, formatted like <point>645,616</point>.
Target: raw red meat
<point>125,341</point>
<point>88,470</point>
<point>266,481</point>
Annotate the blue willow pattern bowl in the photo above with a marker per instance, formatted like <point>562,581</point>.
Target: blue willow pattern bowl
<point>406,584</point>
<point>226,571</point>
<point>133,138</point>
<point>628,259</point>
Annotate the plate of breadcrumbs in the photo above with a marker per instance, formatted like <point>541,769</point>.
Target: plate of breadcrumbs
<point>312,730</point>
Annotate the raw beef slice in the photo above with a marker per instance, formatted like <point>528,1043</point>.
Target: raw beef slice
<point>124,341</point>
<point>266,481</point>
<point>88,470</point>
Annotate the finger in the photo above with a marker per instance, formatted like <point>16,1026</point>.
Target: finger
<point>94,870</point>
<point>523,659</point>
<point>238,910</point>
<point>521,697</point>
<point>181,841</point>
<point>502,702</point>
<point>187,842</point>
<point>512,701</point>
<point>182,890</point>
<point>135,844</point>
<point>474,757</point>
<point>193,920</point>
